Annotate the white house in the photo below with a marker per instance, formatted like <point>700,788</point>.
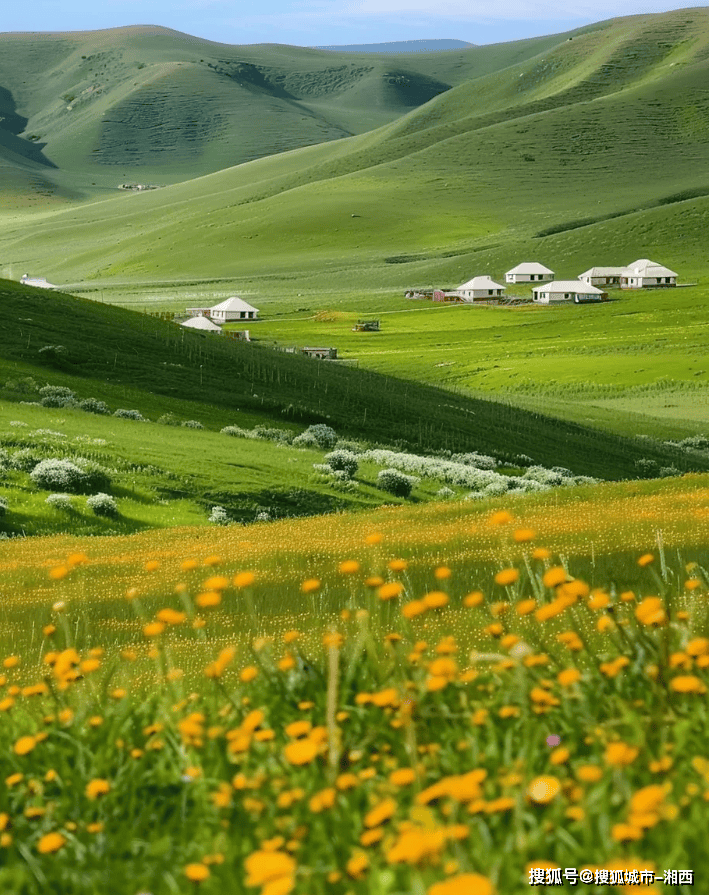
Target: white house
<point>643,273</point>
<point>602,276</point>
<point>529,272</point>
<point>566,290</point>
<point>233,308</point>
<point>203,324</point>
<point>480,287</point>
<point>37,282</point>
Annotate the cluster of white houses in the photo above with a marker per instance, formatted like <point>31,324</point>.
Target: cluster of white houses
<point>640,274</point>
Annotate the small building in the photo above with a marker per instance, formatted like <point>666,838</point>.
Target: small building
<point>198,312</point>
<point>529,272</point>
<point>602,276</point>
<point>479,288</point>
<point>233,308</point>
<point>567,290</point>
<point>366,326</point>
<point>644,274</point>
<point>37,282</point>
<point>320,353</point>
<point>203,324</point>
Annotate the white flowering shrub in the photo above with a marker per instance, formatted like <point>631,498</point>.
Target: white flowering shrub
<point>102,505</point>
<point>57,396</point>
<point>93,405</point>
<point>445,493</point>
<point>192,424</point>
<point>280,436</point>
<point>219,516</point>
<point>305,441</point>
<point>395,482</point>
<point>3,506</point>
<point>234,431</point>
<point>130,415</point>
<point>472,458</point>
<point>59,475</point>
<point>62,502</point>
<point>325,436</point>
<point>342,461</point>
<point>24,460</point>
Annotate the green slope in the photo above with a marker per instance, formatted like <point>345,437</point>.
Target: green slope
<point>105,349</point>
<point>600,126</point>
<point>147,103</point>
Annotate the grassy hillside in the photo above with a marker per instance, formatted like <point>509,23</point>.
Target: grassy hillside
<point>90,110</point>
<point>590,129</point>
<point>576,152</point>
<point>103,344</point>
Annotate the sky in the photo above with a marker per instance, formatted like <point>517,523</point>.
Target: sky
<point>327,22</point>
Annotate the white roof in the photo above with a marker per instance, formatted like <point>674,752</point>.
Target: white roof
<point>530,267</point>
<point>202,323</point>
<point>37,282</point>
<point>234,304</point>
<point>575,286</point>
<point>602,272</point>
<point>481,283</point>
<point>646,268</point>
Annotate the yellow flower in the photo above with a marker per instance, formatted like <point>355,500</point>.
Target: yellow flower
<point>197,873</point>
<point>208,598</point>
<point>646,559</point>
<point>310,585</point>
<point>301,752</point>
<point>543,789</point>
<point>374,538</point>
<point>651,611</point>
<point>687,683</point>
<point>349,566</point>
<point>11,662</point>
<point>524,607</point>
<point>413,608</point>
<point>380,813</point>
<point>357,865</point>
<point>244,579</point>
<point>264,867</point>
<point>50,842</point>
<point>620,754</point>
<point>24,745</point>
<point>463,884</point>
<point>554,576</point>
<point>436,599</point>
<point>153,629</point>
<point>390,590</point>
<point>568,676</point>
<point>501,517</point>
<point>441,573</point>
<point>248,674</point>
<point>507,576</point>
<point>96,788</point>
<point>626,832</point>
<point>475,598</point>
<point>397,565</point>
<point>171,616</point>
<point>402,776</point>
<point>589,773</point>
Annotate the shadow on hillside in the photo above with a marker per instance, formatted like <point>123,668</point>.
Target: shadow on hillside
<point>11,126</point>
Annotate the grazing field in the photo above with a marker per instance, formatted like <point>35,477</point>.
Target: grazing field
<point>434,701</point>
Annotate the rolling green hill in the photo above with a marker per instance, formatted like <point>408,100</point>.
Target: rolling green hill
<point>114,354</point>
<point>86,111</point>
<point>583,149</point>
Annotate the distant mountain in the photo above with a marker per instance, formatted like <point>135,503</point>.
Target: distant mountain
<point>402,46</point>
